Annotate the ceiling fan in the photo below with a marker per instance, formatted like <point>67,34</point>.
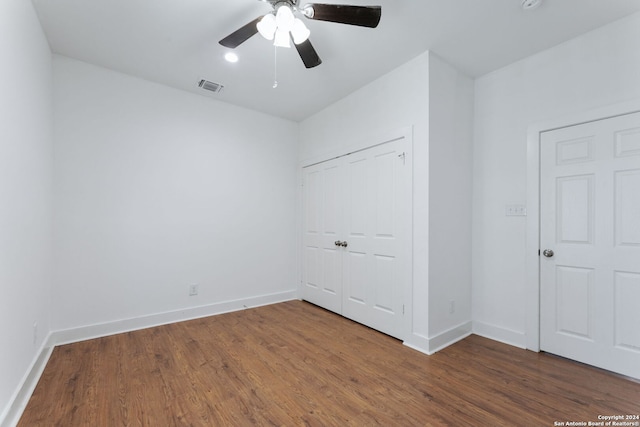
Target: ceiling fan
<point>281,25</point>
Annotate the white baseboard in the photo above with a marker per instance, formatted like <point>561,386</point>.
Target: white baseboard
<point>451,336</point>
<point>442,340</point>
<point>503,335</point>
<point>127,325</point>
<point>21,397</point>
<point>417,342</point>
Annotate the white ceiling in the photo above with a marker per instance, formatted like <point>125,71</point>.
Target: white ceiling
<point>175,42</point>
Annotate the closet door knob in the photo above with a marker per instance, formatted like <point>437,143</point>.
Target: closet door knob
<point>548,253</point>
<point>338,243</point>
<point>344,244</point>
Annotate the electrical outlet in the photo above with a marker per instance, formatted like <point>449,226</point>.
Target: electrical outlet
<point>193,290</point>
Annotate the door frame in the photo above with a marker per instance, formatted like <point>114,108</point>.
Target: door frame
<point>370,141</point>
<point>532,267</point>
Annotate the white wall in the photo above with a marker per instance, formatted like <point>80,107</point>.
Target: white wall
<point>25,194</point>
<point>450,167</point>
<point>400,99</point>
<point>594,70</point>
<point>156,189</point>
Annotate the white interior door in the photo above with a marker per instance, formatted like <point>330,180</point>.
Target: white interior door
<point>354,235</point>
<point>590,219</point>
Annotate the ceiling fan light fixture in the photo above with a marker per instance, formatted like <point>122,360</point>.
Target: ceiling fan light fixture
<point>285,18</point>
<point>278,26</point>
<point>300,32</point>
<point>267,26</point>
<point>282,38</point>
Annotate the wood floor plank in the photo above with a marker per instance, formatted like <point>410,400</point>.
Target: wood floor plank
<point>296,364</point>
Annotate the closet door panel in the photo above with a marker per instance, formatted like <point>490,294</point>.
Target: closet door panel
<point>374,295</point>
<point>356,268</point>
<point>322,222</point>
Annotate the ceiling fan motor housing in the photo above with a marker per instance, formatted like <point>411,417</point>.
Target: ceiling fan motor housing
<point>277,3</point>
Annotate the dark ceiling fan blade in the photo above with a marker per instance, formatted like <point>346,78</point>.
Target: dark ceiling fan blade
<point>308,54</point>
<point>241,35</point>
<point>363,16</point>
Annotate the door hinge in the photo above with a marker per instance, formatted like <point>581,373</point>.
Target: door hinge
<point>403,156</point>
<point>402,308</point>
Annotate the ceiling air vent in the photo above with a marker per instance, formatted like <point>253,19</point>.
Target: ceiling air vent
<point>210,86</point>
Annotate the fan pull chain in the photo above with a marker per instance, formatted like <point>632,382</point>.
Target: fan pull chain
<point>275,67</point>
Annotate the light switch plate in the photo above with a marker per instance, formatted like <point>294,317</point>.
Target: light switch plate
<point>516,210</point>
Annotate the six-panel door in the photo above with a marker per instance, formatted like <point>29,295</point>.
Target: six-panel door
<point>590,219</point>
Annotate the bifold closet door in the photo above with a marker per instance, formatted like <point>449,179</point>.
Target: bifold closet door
<point>322,222</point>
<point>353,261</point>
<point>372,263</point>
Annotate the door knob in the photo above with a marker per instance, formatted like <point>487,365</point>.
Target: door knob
<point>548,253</point>
<point>338,243</point>
<point>344,244</point>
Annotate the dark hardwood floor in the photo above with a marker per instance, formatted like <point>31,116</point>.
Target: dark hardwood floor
<point>296,364</point>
